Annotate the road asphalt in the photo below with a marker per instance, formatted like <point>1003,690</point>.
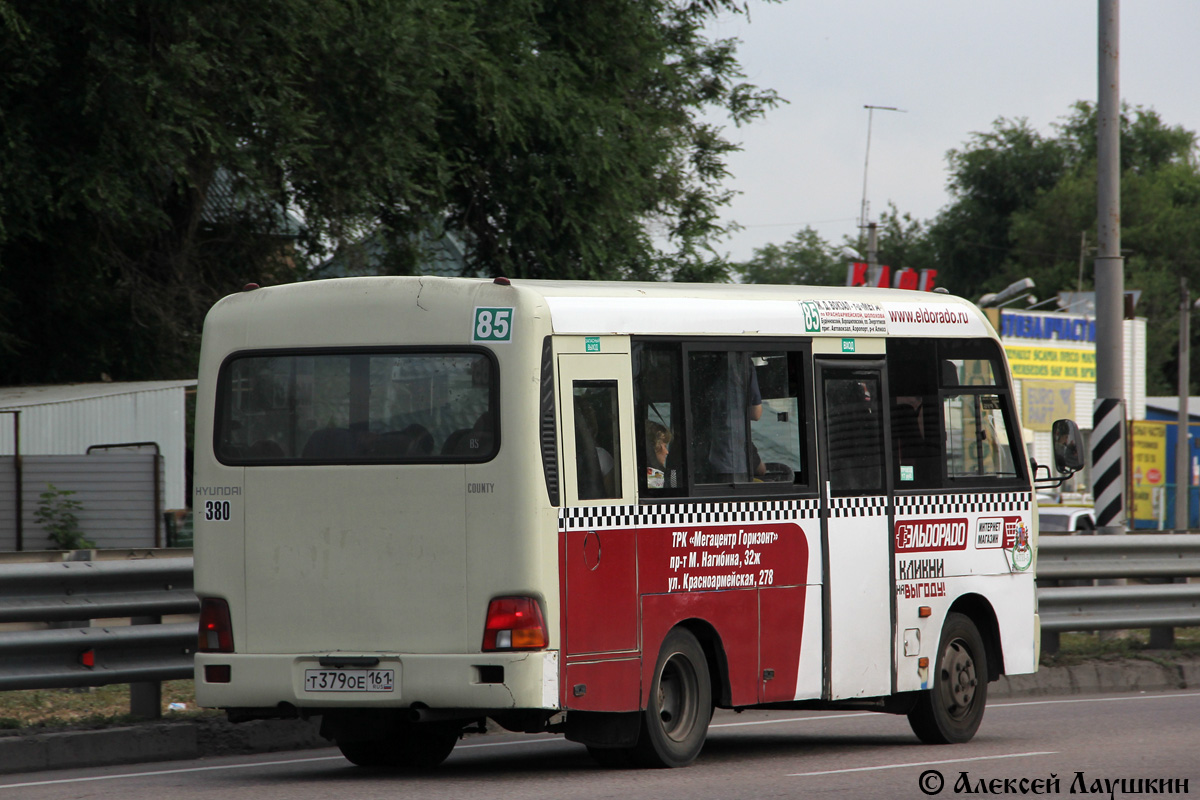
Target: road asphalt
<point>38,750</point>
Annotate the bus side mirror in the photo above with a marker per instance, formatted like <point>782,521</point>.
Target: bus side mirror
<point>1068,446</point>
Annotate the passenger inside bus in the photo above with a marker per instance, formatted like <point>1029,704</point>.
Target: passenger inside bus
<point>658,446</point>
<point>658,398</point>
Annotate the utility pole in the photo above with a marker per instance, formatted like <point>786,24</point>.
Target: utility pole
<point>1082,258</point>
<point>864,217</point>
<point>1183,466</point>
<point>1108,415</point>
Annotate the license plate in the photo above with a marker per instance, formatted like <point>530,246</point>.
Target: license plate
<point>349,680</point>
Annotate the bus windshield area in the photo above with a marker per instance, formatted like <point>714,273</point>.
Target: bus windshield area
<point>362,406</point>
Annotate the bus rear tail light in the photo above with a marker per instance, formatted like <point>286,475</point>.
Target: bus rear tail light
<point>514,623</point>
<point>216,631</point>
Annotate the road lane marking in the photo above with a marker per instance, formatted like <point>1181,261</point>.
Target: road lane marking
<point>1016,704</point>
<point>794,719</point>
<point>530,740</point>
<point>215,767</point>
<point>835,716</point>
<point>180,771</point>
<point>1173,696</point>
<point>921,764</point>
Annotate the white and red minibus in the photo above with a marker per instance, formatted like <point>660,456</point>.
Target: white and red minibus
<point>604,509</point>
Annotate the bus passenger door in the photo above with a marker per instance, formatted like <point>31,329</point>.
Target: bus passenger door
<point>600,597</point>
<point>857,537</point>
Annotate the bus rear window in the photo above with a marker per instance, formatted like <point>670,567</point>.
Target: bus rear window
<point>350,407</point>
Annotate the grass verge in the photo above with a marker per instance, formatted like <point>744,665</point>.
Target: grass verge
<point>1075,648</point>
<point>89,707</point>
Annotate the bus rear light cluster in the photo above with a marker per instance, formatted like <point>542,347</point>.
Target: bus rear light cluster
<point>514,623</point>
<point>216,631</point>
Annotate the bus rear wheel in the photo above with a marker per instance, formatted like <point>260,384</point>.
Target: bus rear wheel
<point>675,721</point>
<point>417,746</point>
<point>951,710</point>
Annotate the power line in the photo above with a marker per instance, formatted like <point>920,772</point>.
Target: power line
<point>799,224</point>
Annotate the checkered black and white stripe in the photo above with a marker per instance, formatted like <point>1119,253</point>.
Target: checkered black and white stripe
<point>858,507</point>
<point>593,517</point>
<point>649,516</point>
<point>925,505</point>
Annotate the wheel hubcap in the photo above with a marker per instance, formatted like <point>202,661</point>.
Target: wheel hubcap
<point>678,689</point>
<point>958,678</point>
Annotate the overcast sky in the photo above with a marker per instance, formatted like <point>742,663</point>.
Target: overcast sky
<point>954,66</point>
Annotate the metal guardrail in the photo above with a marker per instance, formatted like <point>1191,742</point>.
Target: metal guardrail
<point>1088,608</point>
<point>147,651</point>
<point>66,594</point>
<point>1153,555</point>
<point>1155,561</point>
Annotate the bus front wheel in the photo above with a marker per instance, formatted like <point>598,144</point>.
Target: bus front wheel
<point>950,711</point>
<point>676,718</point>
<point>411,746</point>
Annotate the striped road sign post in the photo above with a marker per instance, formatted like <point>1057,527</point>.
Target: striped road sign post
<point>1108,456</point>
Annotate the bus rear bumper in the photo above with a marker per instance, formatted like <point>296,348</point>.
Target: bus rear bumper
<point>472,681</point>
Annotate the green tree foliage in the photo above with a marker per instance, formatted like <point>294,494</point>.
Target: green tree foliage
<point>599,134</point>
<point>805,259</point>
<point>998,174</point>
<point>148,151</point>
<point>1043,225</point>
<point>58,514</point>
<point>1020,201</point>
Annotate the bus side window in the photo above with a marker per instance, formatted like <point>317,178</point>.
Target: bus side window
<point>597,439</point>
<point>977,409</point>
<point>776,436</point>
<point>724,400</point>
<point>980,446</point>
<point>915,408</point>
<point>658,401</point>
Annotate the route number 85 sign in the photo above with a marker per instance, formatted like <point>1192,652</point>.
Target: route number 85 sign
<point>492,325</point>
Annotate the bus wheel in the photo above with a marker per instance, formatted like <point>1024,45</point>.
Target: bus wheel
<point>951,710</point>
<point>675,721</point>
<point>412,746</point>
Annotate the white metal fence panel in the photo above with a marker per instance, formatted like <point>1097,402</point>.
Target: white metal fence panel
<point>120,494</point>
